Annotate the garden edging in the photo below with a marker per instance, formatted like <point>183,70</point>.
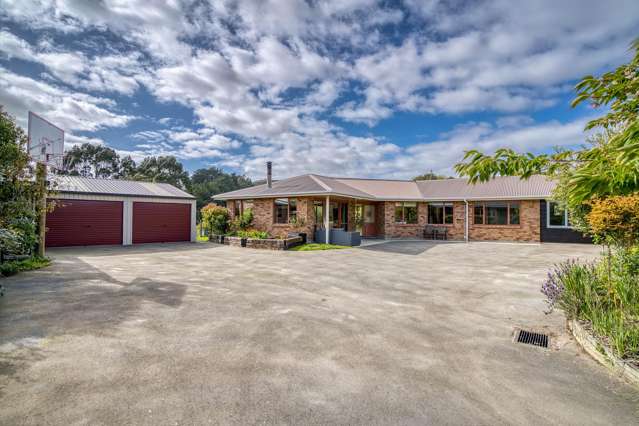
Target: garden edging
<point>602,354</point>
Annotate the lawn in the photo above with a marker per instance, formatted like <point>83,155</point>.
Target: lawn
<point>317,246</point>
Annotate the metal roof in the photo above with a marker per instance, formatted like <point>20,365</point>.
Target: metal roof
<point>507,187</point>
<point>127,188</point>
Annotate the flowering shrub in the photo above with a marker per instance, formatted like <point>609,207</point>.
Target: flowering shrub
<point>615,220</point>
<point>215,218</point>
<point>604,294</point>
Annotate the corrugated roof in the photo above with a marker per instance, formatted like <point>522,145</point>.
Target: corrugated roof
<point>508,187</point>
<point>503,187</point>
<point>84,185</point>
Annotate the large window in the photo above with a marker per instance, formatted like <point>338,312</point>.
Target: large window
<point>557,216</point>
<point>496,213</point>
<point>285,210</point>
<point>440,213</point>
<point>406,213</point>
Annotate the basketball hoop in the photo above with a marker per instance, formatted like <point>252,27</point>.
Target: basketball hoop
<point>46,142</point>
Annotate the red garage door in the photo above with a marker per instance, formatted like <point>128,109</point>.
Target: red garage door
<point>84,223</point>
<point>161,222</point>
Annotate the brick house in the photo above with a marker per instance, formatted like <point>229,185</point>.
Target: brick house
<point>505,208</point>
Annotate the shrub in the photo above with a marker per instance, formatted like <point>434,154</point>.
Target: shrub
<point>604,294</point>
<point>215,218</point>
<point>615,220</point>
<point>243,222</point>
<point>253,233</point>
<point>13,267</point>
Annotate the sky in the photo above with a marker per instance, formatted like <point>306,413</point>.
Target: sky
<point>345,88</point>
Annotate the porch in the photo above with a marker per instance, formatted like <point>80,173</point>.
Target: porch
<point>345,221</point>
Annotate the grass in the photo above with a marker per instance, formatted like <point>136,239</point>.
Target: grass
<point>200,237</point>
<point>317,246</point>
<point>15,266</point>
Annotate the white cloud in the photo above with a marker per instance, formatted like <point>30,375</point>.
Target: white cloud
<point>68,109</point>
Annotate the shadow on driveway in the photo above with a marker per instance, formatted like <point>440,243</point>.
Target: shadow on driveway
<point>412,248</point>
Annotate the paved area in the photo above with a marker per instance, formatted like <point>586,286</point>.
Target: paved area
<point>398,333</point>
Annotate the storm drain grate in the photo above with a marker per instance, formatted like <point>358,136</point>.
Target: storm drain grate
<point>535,339</point>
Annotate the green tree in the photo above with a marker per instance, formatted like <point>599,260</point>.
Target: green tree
<point>215,219</point>
<point>431,176</point>
<point>163,169</point>
<point>609,165</point>
<point>91,161</point>
<point>17,191</point>
<point>127,168</point>
<point>205,183</point>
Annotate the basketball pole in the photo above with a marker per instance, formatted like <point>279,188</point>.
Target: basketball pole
<point>41,178</point>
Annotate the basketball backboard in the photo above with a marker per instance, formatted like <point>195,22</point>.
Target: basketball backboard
<point>46,141</point>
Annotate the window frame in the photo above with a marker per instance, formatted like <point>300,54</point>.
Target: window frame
<point>566,218</point>
<point>484,215</point>
<point>442,204</point>
<point>288,210</point>
<point>402,205</point>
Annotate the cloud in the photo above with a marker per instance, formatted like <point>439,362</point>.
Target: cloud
<point>70,110</point>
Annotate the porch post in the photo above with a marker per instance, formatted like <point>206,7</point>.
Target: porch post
<point>326,219</point>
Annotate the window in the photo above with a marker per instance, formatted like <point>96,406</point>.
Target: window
<point>406,213</point>
<point>440,213</point>
<point>557,216</point>
<point>496,213</point>
<point>237,208</point>
<point>285,210</point>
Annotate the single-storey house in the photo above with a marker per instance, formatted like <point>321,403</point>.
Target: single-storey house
<point>505,208</point>
<point>91,211</point>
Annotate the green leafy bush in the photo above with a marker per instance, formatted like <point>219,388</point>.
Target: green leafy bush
<point>215,218</point>
<point>243,222</point>
<point>604,294</point>
<point>253,233</point>
<point>13,267</point>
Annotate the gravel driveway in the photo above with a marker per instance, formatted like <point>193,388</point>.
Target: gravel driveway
<point>397,333</point>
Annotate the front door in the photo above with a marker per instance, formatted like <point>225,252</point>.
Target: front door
<point>369,229</point>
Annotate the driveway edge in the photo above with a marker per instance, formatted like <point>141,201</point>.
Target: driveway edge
<point>603,354</point>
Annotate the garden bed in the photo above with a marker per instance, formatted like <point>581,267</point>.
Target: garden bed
<point>258,243</point>
<point>629,371</point>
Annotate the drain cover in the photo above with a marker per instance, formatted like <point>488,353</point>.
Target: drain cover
<point>531,338</point>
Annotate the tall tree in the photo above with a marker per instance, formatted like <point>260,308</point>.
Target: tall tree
<point>91,161</point>
<point>205,183</point>
<point>163,169</point>
<point>17,191</point>
<point>127,168</point>
<point>609,166</point>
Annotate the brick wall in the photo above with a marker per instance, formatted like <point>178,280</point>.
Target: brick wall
<point>529,228</point>
<point>263,217</point>
<point>400,230</point>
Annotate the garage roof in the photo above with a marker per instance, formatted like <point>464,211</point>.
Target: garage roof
<point>127,188</point>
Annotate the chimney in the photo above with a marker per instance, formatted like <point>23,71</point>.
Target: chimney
<point>269,174</point>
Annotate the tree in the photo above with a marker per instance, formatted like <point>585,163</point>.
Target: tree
<point>127,168</point>
<point>608,166</point>
<point>430,176</point>
<point>163,170</point>
<point>17,191</point>
<point>205,183</point>
<point>91,161</point>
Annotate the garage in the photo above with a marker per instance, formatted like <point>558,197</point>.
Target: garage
<point>92,211</point>
<point>84,223</point>
<point>161,222</point>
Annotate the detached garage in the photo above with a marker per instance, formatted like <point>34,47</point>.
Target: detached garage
<point>106,212</point>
